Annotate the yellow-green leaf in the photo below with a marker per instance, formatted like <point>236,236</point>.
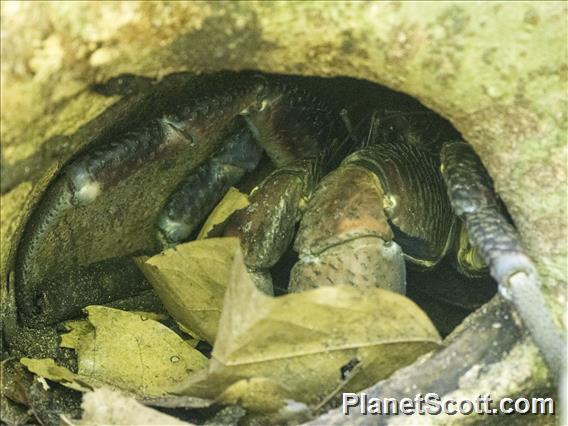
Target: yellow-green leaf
<point>302,341</point>
<point>193,341</point>
<point>256,394</point>
<point>46,367</point>
<point>78,330</point>
<point>135,353</point>
<point>108,407</point>
<point>124,350</point>
<point>191,280</point>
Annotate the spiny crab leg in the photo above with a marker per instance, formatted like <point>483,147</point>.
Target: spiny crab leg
<point>473,199</point>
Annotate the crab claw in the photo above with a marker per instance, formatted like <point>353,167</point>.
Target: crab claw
<point>105,203</point>
<point>344,237</point>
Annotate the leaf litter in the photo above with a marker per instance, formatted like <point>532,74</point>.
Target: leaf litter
<point>295,344</point>
<point>267,352</point>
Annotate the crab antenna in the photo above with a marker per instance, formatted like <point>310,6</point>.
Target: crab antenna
<point>373,128</point>
<point>471,193</point>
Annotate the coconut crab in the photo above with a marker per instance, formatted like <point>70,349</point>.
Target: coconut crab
<point>89,196</point>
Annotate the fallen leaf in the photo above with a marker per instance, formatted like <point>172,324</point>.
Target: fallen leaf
<point>47,368</point>
<point>304,342</point>
<point>108,407</point>
<point>128,351</point>
<point>191,280</point>
<point>256,394</point>
<point>77,330</point>
<point>192,340</point>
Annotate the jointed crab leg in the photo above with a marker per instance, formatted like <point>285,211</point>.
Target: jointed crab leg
<point>266,227</point>
<point>201,190</point>
<point>472,197</point>
<point>300,135</point>
<point>290,123</point>
<point>106,202</point>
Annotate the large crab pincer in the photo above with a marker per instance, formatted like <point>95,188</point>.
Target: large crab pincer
<point>115,200</point>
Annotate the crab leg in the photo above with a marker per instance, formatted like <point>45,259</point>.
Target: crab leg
<point>266,227</point>
<point>105,204</point>
<point>473,199</point>
<point>292,124</point>
<point>200,191</point>
<point>302,138</point>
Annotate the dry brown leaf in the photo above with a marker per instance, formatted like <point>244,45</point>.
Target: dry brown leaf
<point>300,342</point>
